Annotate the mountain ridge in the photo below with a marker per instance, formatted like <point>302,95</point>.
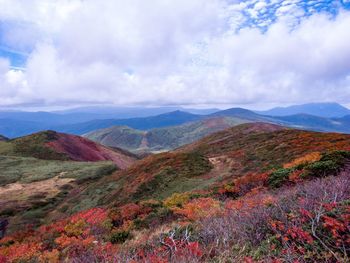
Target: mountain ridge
<point>14,128</point>
<point>326,110</point>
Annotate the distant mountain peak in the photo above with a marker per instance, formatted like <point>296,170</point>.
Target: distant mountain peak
<point>321,109</point>
<point>3,138</point>
<point>177,113</point>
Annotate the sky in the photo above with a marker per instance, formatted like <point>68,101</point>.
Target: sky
<point>254,53</point>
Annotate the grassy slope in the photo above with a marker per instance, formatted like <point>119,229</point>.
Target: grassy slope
<point>118,136</point>
<point>256,146</point>
<point>161,139</point>
<point>218,158</point>
<point>157,177</point>
<point>28,170</point>
<point>31,188</point>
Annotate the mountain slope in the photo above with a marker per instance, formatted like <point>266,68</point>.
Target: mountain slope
<point>256,191</point>
<point>163,138</point>
<point>50,145</point>
<point>326,110</point>
<point>247,148</point>
<point>3,138</point>
<point>243,114</point>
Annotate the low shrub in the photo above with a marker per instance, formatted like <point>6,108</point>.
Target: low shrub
<point>330,164</point>
<point>120,237</point>
<point>321,169</point>
<point>278,177</point>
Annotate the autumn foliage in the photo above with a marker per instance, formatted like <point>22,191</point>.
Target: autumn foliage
<point>285,201</point>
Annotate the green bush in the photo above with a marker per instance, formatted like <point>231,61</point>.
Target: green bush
<point>321,169</point>
<point>156,217</point>
<point>278,177</point>
<point>119,237</point>
<point>338,157</point>
<point>330,163</point>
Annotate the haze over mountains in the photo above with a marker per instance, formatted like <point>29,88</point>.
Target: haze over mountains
<point>85,120</point>
<point>326,110</point>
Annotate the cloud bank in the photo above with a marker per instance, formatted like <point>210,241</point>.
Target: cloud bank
<point>175,52</point>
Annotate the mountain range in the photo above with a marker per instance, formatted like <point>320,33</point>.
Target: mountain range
<point>326,110</point>
<point>15,124</point>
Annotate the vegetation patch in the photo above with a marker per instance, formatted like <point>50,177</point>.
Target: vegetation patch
<point>180,176</point>
<point>28,170</point>
<point>120,237</point>
<point>278,177</point>
<point>330,163</point>
<point>35,146</point>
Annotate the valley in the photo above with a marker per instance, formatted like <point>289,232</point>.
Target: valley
<point>161,139</point>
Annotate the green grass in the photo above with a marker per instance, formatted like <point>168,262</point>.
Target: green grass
<point>37,206</point>
<point>27,170</point>
<point>6,148</point>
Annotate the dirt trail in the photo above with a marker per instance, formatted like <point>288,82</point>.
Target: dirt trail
<point>21,191</point>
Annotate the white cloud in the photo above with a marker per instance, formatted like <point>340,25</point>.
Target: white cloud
<point>172,52</point>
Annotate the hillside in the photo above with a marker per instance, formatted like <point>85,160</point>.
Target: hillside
<point>31,189</point>
<point>241,113</point>
<point>38,171</point>
<point>248,193</point>
<point>51,145</point>
<point>162,139</point>
<point>247,148</point>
